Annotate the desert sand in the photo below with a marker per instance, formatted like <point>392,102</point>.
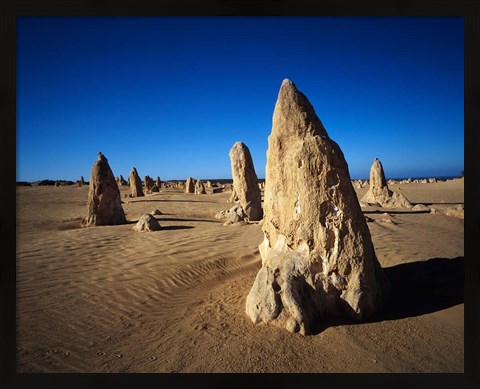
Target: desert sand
<point>111,299</point>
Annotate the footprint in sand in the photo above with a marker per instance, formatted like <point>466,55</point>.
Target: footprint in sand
<point>66,353</point>
<point>101,353</point>
<point>152,358</point>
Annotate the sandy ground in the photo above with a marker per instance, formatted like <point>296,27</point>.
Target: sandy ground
<point>109,299</point>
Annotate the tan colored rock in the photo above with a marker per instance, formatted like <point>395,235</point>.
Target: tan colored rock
<point>452,211</point>
<point>233,197</point>
<point>420,207</point>
<point>147,223</point>
<point>318,258</point>
<point>122,181</point>
<point>379,193</point>
<point>148,184</point>
<point>81,182</point>
<point>104,201</point>
<point>233,215</point>
<point>135,184</point>
<point>245,181</point>
<point>190,185</point>
<point>200,188</point>
<point>158,182</point>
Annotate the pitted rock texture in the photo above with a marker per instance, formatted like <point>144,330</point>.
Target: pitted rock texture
<point>245,181</point>
<point>236,214</point>
<point>190,185</point>
<point>147,223</point>
<point>200,188</point>
<point>379,193</point>
<point>318,258</point>
<point>104,200</point>
<point>135,184</point>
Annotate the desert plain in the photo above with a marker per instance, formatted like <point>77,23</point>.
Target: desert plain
<point>111,299</point>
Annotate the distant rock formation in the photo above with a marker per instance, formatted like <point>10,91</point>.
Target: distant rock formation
<point>81,182</point>
<point>147,223</point>
<point>379,194</point>
<point>135,184</point>
<point>122,181</point>
<point>245,181</point>
<point>148,184</point>
<point>318,258</point>
<point>104,201</point>
<point>190,185</point>
<point>158,182</point>
<point>200,188</point>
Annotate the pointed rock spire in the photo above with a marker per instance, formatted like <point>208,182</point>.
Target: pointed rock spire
<point>379,193</point>
<point>135,184</point>
<point>245,182</point>
<point>318,258</point>
<point>104,201</point>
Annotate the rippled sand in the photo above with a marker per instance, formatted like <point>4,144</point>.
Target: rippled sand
<point>109,299</point>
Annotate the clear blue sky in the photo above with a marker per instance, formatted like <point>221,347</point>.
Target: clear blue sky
<point>171,95</point>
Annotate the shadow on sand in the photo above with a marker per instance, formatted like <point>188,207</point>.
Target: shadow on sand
<point>171,228</point>
<point>167,200</point>
<point>417,288</point>
<point>393,212</point>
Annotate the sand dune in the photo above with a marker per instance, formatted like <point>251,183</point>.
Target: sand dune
<point>109,299</point>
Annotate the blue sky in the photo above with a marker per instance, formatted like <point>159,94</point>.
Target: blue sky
<point>171,95</point>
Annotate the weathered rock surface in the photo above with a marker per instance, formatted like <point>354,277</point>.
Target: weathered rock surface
<point>148,184</point>
<point>245,181</point>
<point>420,207</point>
<point>233,197</point>
<point>104,201</point>
<point>122,181</point>
<point>318,258</point>
<point>147,223</point>
<point>135,184</point>
<point>236,214</point>
<point>453,211</point>
<point>200,188</point>
<point>156,212</point>
<point>379,193</point>
<point>190,185</point>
